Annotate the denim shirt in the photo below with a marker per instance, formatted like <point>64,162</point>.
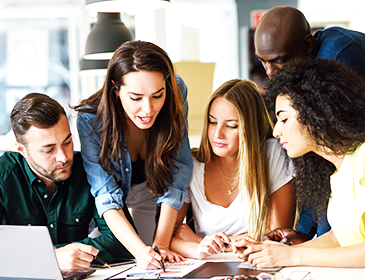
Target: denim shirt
<point>345,46</point>
<point>110,191</point>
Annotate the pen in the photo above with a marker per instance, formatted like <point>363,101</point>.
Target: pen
<point>161,261</point>
<point>102,262</point>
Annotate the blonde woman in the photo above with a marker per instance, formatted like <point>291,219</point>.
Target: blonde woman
<point>241,181</point>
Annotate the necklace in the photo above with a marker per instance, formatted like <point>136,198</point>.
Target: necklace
<point>224,175</point>
<point>230,190</point>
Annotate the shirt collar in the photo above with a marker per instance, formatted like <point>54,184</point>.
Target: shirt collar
<point>29,172</point>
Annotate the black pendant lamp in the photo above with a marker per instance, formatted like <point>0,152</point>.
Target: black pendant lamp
<point>124,5</point>
<point>93,67</point>
<point>107,34</point>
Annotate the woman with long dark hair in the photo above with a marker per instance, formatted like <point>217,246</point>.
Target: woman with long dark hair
<point>133,135</point>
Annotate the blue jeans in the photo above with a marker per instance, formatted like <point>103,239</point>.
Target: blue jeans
<point>308,225</point>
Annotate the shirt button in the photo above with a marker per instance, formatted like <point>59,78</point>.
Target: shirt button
<point>51,225</point>
<point>127,170</point>
<point>77,220</point>
<point>45,196</point>
<point>39,181</point>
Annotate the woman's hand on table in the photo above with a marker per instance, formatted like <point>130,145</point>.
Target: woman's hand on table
<point>213,244</point>
<point>169,255</point>
<point>263,254</point>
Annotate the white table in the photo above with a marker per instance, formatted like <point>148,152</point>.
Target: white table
<point>317,273</point>
<point>103,273</point>
<point>327,273</point>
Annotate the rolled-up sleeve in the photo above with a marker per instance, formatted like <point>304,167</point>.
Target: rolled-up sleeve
<point>104,187</point>
<point>175,196</point>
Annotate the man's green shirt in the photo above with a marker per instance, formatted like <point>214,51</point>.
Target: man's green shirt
<point>24,200</point>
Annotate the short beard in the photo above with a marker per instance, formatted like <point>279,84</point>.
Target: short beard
<point>49,174</point>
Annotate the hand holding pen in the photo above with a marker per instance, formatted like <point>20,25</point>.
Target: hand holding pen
<point>212,244</point>
<point>82,247</point>
<point>104,263</point>
<point>149,259</point>
<point>155,248</point>
<point>75,256</point>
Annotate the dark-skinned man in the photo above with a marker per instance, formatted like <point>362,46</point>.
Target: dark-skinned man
<point>284,34</point>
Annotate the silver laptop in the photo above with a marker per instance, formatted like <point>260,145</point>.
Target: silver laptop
<point>27,252</point>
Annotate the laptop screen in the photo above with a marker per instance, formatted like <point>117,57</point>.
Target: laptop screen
<point>27,252</point>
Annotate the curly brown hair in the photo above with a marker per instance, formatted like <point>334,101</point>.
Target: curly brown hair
<point>330,100</point>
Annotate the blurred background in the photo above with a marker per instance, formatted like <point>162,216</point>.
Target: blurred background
<point>42,44</point>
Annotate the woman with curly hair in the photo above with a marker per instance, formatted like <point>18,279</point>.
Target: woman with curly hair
<point>320,110</point>
<point>134,144</point>
<point>240,178</point>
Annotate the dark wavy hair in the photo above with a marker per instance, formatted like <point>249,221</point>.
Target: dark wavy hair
<point>166,134</point>
<point>330,100</point>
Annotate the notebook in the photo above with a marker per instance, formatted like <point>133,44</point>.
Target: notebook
<point>27,253</point>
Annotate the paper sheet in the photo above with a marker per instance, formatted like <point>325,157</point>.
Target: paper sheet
<point>251,266</point>
<point>172,270</point>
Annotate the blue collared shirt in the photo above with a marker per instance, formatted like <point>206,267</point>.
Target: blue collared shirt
<point>110,191</point>
<point>345,46</point>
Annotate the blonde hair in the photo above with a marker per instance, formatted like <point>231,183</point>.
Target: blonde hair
<point>254,127</point>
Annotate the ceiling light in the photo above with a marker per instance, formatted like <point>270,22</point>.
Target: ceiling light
<point>124,5</point>
<point>93,67</point>
<point>105,37</point>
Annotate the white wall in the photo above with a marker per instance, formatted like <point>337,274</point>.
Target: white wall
<point>216,21</point>
<point>332,12</point>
